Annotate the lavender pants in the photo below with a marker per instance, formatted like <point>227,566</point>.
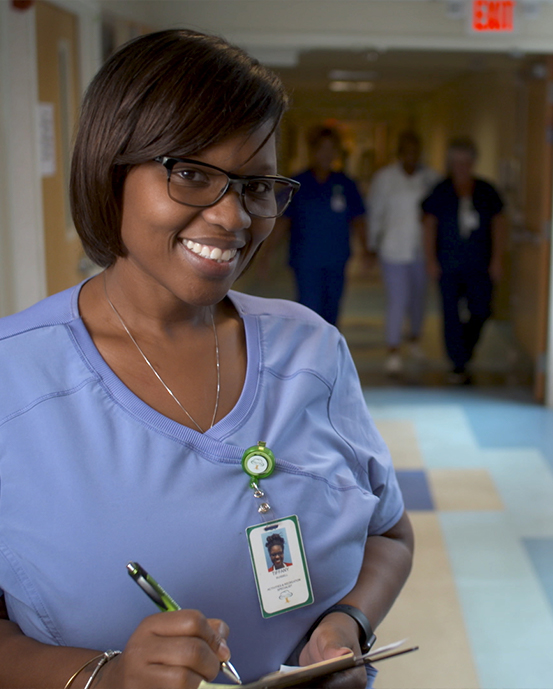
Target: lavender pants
<point>405,297</point>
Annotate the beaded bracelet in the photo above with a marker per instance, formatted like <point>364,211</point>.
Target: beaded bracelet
<point>102,659</point>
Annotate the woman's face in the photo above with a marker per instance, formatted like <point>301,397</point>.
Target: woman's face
<point>164,239</point>
<point>461,164</point>
<point>276,553</point>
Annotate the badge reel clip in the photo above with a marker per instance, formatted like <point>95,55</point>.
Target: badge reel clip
<point>258,462</point>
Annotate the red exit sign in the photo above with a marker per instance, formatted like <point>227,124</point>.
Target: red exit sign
<point>493,16</point>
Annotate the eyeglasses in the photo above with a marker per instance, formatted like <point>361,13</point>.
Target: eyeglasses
<point>200,185</point>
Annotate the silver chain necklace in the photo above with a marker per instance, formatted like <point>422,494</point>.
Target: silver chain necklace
<point>157,374</point>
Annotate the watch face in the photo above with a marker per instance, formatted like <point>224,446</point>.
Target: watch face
<point>257,464</point>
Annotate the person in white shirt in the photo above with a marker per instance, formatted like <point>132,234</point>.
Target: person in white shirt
<point>395,234</point>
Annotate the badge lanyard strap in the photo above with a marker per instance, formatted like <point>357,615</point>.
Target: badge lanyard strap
<point>258,462</point>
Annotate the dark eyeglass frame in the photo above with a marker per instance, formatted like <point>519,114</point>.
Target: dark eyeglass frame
<point>169,163</point>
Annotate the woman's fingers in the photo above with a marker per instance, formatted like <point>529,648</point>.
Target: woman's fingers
<point>221,631</point>
<point>171,650</point>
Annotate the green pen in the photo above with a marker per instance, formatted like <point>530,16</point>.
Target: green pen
<point>166,604</point>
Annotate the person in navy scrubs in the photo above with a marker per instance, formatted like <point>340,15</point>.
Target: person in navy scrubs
<point>464,228</point>
<point>323,215</point>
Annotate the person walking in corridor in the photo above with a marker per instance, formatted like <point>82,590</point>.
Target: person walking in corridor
<point>321,218</point>
<point>395,232</point>
<point>464,230</point>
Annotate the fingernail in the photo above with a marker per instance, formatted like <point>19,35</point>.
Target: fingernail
<point>224,650</point>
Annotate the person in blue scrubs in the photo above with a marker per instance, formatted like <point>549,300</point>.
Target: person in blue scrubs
<point>321,219</point>
<point>128,401</point>
<point>464,230</point>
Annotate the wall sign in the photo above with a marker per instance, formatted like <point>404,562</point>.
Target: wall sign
<point>493,16</point>
<point>46,139</point>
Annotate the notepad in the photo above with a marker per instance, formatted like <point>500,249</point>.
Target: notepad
<point>297,676</point>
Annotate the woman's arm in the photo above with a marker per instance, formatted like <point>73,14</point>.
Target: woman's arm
<point>429,233</point>
<point>26,663</point>
<point>386,566</point>
<point>172,649</point>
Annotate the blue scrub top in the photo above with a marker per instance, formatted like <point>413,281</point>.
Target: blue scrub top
<point>453,251</point>
<point>320,217</point>
<point>93,477</point>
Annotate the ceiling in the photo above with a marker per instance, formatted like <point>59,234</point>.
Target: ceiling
<point>398,78</point>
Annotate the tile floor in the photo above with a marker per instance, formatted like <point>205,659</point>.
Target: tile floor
<point>476,468</point>
<point>479,602</point>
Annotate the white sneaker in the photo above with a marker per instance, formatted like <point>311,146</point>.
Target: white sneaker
<point>394,364</point>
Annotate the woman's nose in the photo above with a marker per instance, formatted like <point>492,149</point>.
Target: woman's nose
<point>229,212</point>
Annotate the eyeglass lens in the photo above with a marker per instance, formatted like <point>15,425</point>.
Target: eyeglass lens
<point>200,186</point>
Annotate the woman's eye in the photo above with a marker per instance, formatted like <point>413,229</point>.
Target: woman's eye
<point>260,187</point>
<point>191,176</point>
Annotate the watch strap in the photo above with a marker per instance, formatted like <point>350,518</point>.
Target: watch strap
<point>366,634</point>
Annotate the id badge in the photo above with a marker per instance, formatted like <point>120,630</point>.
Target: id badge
<point>280,566</point>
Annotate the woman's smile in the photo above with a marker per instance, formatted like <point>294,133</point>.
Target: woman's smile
<point>213,253</point>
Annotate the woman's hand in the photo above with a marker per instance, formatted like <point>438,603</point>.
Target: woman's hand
<point>169,650</point>
<point>336,635</point>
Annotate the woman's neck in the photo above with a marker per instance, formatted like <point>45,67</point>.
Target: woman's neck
<point>464,186</point>
<point>147,304</point>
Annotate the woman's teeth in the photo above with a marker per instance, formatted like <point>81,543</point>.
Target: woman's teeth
<point>213,253</point>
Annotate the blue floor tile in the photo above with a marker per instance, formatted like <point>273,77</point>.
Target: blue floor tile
<point>415,489</point>
<point>540,551</point>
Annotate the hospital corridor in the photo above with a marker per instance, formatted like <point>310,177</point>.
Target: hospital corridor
<point>472,449</point>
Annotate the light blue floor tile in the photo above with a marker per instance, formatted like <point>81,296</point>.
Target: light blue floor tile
<point>525,483</point>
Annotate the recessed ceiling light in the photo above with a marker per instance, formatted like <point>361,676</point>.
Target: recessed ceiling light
<point>359,86</point>
<point>351,75</point>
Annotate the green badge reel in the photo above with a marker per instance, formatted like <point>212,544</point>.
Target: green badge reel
<point>258,462</point>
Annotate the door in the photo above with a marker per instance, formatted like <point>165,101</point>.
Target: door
<point>531,244</point>
<point>58,87</point>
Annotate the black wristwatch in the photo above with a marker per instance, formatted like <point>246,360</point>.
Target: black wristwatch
<point>366,634</point>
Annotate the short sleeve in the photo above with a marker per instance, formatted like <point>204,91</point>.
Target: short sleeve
<point>356,206</point>
<point>351,419</point>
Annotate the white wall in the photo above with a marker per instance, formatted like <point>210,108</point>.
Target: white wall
<point>22,263</point>
<point>297,24</point>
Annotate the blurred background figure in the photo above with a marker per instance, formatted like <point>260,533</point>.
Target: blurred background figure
<point>395,234</point>
<point>324,213</point>
<point>464,238</point>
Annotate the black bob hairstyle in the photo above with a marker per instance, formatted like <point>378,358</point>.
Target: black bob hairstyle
<point>274,539</point>
<point>173,92</point>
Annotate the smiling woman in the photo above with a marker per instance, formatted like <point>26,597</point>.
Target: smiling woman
<point>134,396</point>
